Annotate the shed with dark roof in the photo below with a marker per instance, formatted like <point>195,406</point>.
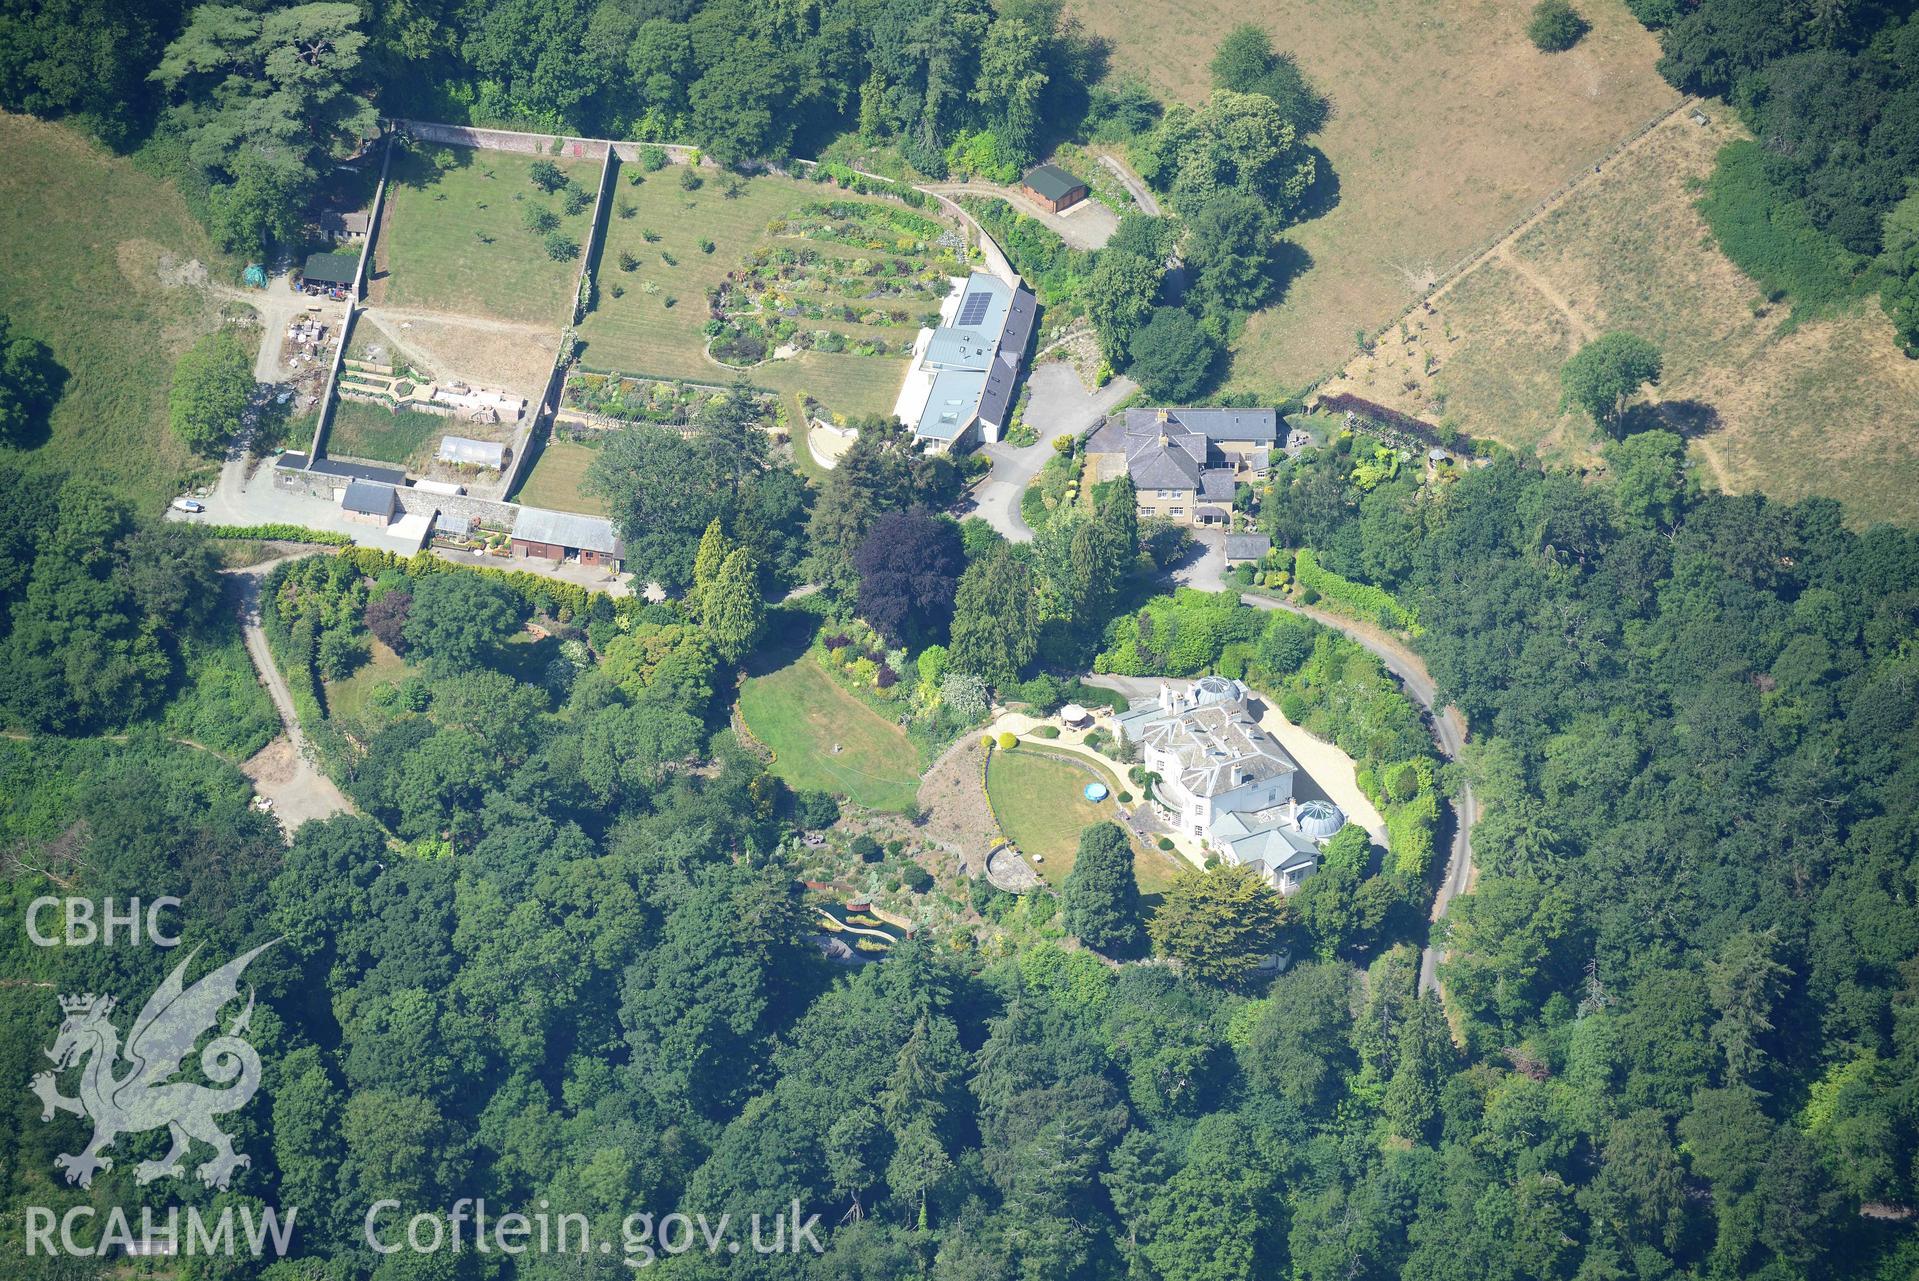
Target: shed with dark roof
<point>331,271</point>
<point>1051,186</point>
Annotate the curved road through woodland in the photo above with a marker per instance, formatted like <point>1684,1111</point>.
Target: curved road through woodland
<point>1449,736</point>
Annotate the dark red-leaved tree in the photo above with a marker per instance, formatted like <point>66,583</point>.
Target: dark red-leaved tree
<point>909,564</point>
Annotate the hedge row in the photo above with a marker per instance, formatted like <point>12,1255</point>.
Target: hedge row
<point>559,600</point>
<point>1362,600</point>
<point>279,533</point>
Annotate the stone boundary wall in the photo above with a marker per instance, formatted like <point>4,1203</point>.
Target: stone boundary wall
<point>538,144</point>
<point>329,394</point>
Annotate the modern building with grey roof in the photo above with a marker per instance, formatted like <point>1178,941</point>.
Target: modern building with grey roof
<point>1243,549</point>
<point>1052,187</point>
<point>1223,778</point>
<point>965,373</point>
<point>1185,464</point>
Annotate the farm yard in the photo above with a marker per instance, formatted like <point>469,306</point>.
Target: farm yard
<point>1446,125</point>
<point>1763,393</point>
<point>820,295</point>
<point>460,234</point>
<point>104,263</point>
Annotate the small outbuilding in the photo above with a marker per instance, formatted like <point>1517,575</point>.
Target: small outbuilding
<point>330,271</point>
<point>1247,549</point>
<point>464,452</point>
<point>1075,716</point>
<point>368,502</point>
<point>1052,187</point>
<point>551,535</point>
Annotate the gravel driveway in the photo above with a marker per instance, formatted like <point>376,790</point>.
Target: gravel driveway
<point>1059,405</point>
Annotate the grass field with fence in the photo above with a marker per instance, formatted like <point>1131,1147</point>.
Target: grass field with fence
<point>455,236</point>
<point>1790,404</point>
<point>1446,124</point>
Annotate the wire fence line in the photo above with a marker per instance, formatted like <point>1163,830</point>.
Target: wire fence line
<point>1491,244</point>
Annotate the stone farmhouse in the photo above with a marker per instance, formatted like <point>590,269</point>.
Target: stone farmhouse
<point>1224,779</point>
<point>1185,463</point>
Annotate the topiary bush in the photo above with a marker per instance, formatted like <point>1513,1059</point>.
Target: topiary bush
<point>1008,740</point>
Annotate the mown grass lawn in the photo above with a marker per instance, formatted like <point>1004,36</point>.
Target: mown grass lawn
<point>557,476</point>
<point>455,240</point>
<point>88,243</point>
<point>656,325</point>
<point>1041,806</point>
<point>802,716</point>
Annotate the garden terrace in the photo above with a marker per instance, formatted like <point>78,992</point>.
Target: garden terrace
<point>760,277</point>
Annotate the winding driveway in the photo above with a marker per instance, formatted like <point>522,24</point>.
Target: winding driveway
<point>1449,736</point>
<point>283,770</point>
<point>1057,406</point>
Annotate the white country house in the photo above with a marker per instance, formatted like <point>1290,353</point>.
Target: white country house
<point>1225,780</point>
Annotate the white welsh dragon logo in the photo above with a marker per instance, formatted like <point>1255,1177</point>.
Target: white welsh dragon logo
<point>143,1098</point>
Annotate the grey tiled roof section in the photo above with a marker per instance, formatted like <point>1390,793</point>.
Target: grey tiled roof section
<point>1247,546</point>
<point>369,498</point>
<point>344,470</point>
<point>1163,469</point>
<point>1216,484</point>
<point>1260,426</point>
<point>568,529</point>
<point>1218,747</point>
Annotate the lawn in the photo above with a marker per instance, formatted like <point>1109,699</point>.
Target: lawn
<point>454,240</point>
<point>802,716</point>
<point>1824,405</point>
<point>348,698</point>
<point>88,244</point>
<point>1446,125</point>
<point>364,430</point>
<point>556,476</point>
<point>1042,808</point>
<point>657,324</point>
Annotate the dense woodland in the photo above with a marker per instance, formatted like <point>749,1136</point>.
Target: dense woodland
<point>564,954</point>
<point>1821,203</point>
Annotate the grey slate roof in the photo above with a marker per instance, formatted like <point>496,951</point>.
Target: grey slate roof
<point>1255,426</point>
<point>369,498</point>
<point>1216,484</point>
<point>1157,468</point>
<point>1218,746</point>
<point>342,469</point>
<point>338,269</point>
<point>1247,546</point>
<point>1051,181</point>
<point>568,529</point>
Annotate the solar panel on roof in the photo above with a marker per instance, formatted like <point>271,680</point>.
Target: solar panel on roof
<point>973,309</point>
